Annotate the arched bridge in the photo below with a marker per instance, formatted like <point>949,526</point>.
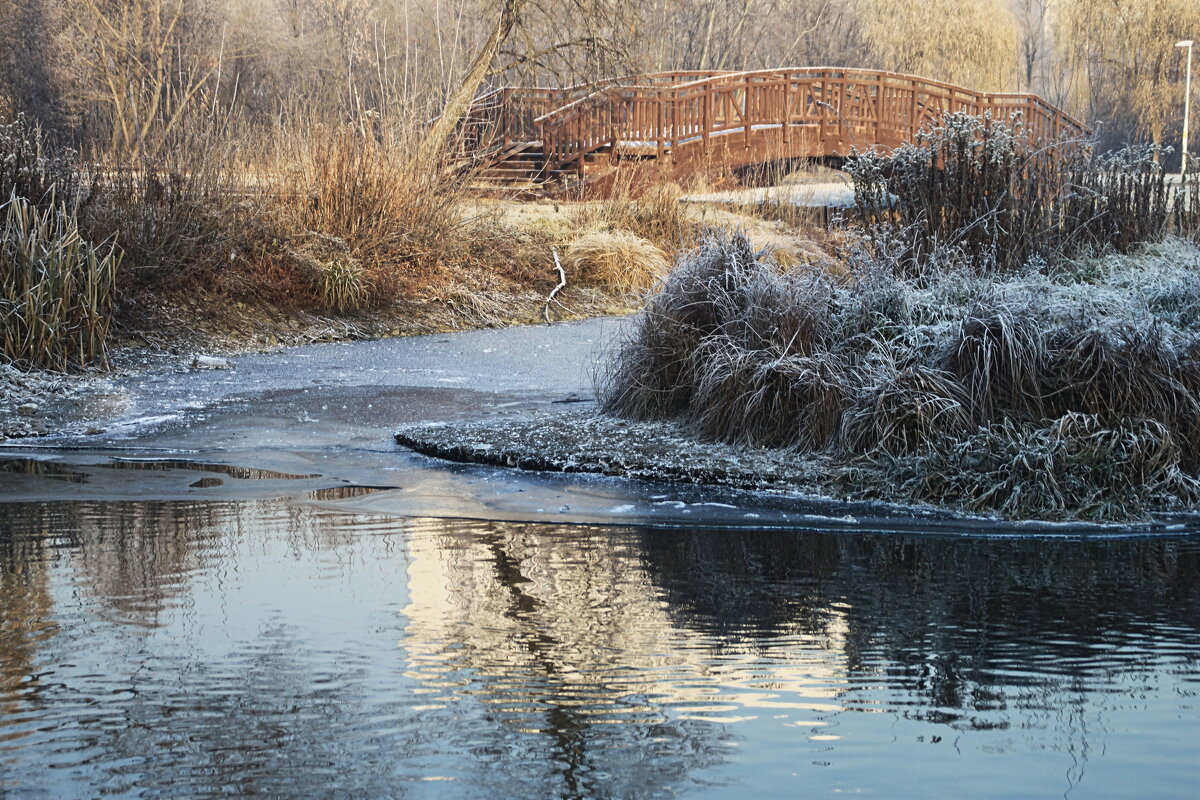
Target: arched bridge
<point>684,120</point>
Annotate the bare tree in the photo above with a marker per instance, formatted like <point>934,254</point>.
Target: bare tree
<point>1032,19</point>
<point>143,63</point>
<point>460,99</point>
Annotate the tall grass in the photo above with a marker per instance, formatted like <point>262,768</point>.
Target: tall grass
<point>31,168</point>
<point>933,383</point>
<point>56,290</point>
<point>177,222</point>
<point>651,211</point>
<point>333,218</point>
<point>364,204</point>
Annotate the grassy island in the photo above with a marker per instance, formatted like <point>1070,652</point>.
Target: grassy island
<point>1015,336</point>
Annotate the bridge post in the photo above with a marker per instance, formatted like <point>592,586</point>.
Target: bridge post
<point>746,118</point>
<point>545,147</point>
<point>612,132</point>
<point>787,115</point>
<point>580,164</point>
<point>506,113</point>
<point>879,106</point>
<point>913,122</point>
<point>660,128</point>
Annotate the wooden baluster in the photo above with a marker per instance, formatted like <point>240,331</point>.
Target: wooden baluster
<point>746,116</point>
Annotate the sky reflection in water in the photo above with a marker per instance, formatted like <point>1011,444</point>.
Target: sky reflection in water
<point>204,648</point>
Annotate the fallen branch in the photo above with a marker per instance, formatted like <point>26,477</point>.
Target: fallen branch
<point>562,281</point>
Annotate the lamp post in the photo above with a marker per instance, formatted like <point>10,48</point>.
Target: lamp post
<point>1187,102</point>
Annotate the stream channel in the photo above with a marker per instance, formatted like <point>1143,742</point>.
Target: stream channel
<point>243,586</point>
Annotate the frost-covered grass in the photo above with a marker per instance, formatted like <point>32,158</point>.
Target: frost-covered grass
<point>1070,391</point>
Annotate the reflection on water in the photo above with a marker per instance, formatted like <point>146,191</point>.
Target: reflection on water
<point>205,648</point>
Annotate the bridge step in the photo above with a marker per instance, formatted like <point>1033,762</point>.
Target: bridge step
<point>522,171</point>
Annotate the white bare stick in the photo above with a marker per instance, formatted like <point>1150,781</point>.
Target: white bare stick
<point>562,281</point>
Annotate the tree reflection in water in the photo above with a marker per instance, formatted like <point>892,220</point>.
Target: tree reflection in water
<point>267,647</point>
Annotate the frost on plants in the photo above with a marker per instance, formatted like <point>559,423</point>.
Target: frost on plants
<point>1035,393</point>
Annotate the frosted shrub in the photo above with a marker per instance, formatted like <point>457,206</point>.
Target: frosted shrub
<point>987,188</point>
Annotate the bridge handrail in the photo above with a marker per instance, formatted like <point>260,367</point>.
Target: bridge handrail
<point>491,115</point>
<point>806,72</point>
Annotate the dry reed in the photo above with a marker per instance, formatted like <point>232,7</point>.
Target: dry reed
<point>56,291</point>
<point>617,260</point>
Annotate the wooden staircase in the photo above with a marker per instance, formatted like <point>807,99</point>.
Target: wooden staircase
<point>521,171</point>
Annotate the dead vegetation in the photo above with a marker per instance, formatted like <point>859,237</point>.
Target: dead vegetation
<point>1001,198</point>
<point>336,221</point>
<point>619,260</point>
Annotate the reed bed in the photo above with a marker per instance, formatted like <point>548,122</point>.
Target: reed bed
<point>56,290</point>
<point>949,387</point>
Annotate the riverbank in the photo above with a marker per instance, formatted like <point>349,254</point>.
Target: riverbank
<point>202,332</point>
<point>164,327</point>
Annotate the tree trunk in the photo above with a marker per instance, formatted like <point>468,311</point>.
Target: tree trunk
<point>459,102</point>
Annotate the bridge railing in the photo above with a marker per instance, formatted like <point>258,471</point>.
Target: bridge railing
<point>835,108</point>
<point>509,114</point>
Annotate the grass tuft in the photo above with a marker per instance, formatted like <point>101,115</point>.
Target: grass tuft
<point>618,260</point>
<point>342,285</point>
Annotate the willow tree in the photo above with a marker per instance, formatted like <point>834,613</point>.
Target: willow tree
<point>969,42</point>
<point>1127,71</point>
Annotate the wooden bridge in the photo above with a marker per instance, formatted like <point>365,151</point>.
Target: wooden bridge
<point>548,138</point>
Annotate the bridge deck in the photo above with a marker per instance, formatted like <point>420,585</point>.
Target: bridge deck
<point>687,119</point>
